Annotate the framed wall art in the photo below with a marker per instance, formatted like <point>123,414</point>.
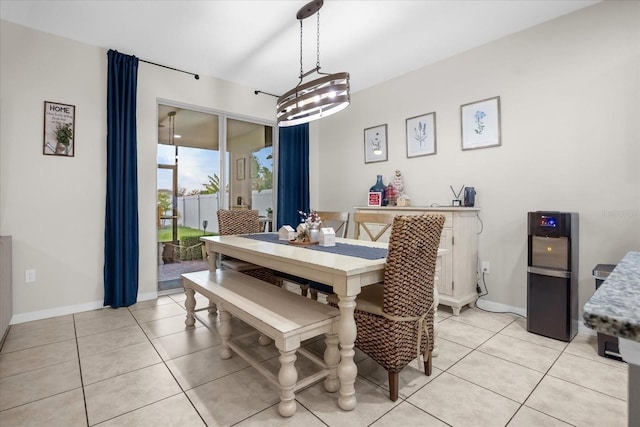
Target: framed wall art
<point>480,123</point>
<point>375,144</point>
<point>421,135</point>
<point>59,129</point>
<point>240,169</point>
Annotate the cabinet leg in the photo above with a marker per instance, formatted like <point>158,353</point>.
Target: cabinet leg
<point>456,311</point>
<point>472,304</point>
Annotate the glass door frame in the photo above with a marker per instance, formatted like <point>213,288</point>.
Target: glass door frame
<point>222,145</point>
<point>174,199</point>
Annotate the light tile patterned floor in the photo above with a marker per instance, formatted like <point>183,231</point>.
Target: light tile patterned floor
<point>140,366</point>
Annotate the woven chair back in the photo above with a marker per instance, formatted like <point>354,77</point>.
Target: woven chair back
<point>238,222</point>
<point>338,220</point>
<point>411,263</point>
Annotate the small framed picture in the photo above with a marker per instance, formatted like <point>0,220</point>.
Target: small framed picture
<point>375,144</point>
<point>375,198</point>
<point>240,169</point>
<point>59,129</point>
<point>421,135</point>
<point>480,123</point>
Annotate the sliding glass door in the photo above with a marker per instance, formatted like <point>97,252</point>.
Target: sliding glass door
<point>250,165</point>
<point>206,161</point>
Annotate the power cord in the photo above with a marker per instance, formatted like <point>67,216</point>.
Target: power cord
<point>486,292</point>
<point>481,223</point>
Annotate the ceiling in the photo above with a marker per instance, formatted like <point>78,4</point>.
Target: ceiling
<point>257,43</point>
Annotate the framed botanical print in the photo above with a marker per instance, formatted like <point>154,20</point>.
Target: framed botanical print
<point>375,144</point>
<point>421,135</point>
<point>480,124</point>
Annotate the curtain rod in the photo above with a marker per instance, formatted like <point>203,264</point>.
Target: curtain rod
<point>266,93</point>
<point>197,77</point>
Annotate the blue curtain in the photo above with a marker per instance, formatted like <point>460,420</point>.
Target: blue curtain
<point>293,174</point>
<point>121,216</point>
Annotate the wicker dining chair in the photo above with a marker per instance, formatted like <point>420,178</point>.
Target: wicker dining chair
<point>238,221</point>
<point>395,318</point>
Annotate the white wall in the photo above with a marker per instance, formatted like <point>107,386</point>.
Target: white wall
<point>569,88</point>
<point>54,207</point>
<point>570,99</point>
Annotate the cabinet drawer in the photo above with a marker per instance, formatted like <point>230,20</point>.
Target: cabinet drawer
<point>448,216</point>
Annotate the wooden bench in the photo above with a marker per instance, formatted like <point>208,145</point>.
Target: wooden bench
<point>285,317</point>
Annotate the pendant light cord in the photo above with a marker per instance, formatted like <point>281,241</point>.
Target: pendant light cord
<point>318,42</point>
<point>301,70</point>
<point>302,74</point>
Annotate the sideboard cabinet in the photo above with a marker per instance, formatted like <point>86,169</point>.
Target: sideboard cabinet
<point>457,272</point>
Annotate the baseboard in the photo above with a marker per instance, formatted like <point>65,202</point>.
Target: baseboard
<point>69,309</point>
<point>498,307</point>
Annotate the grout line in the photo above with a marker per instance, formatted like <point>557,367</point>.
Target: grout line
<point>84,395</point>
<point>545,374</point>
<point>168,369</point>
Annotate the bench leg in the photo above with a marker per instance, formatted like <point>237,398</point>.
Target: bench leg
<point>224,329</point>
<point>287,377</point>
<point>332,359</point>
<point>190,305</point>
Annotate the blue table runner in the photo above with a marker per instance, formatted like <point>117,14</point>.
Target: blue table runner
<point>340,248</point>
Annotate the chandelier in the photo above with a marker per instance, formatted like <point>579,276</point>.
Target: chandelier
<point>317,98</point>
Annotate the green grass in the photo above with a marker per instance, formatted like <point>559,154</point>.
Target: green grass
<point>165,233</point>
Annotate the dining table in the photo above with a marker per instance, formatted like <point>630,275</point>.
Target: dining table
<point>347,267</point>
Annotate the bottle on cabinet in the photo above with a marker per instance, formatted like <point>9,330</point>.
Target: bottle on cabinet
<point>379,187</point>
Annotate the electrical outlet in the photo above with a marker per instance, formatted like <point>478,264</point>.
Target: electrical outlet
<point>486,267</point>
<point>30,276</point>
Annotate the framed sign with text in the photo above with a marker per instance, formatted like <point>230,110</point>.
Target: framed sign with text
<point>375,198</point>
<point>59,129</point>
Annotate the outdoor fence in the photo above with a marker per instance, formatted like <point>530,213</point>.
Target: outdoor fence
<point>193,210</point>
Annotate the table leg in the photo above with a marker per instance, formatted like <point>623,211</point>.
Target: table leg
<point>224,329</point>
<point>332,359</point>
<point>347,369</point>
<point>190,305</point>
<point>212,258</point>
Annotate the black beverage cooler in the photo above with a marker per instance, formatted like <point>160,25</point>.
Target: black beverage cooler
<point>552,274</point>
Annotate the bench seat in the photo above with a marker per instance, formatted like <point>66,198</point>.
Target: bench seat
<point>285,317</point>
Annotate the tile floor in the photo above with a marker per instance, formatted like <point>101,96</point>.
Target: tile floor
<point>140,366</point>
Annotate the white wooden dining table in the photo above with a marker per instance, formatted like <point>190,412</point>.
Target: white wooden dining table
<point>346,274</point>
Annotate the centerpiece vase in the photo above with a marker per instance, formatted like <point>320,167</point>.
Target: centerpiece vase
<point>380,188</point>
<point>314,233</point>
